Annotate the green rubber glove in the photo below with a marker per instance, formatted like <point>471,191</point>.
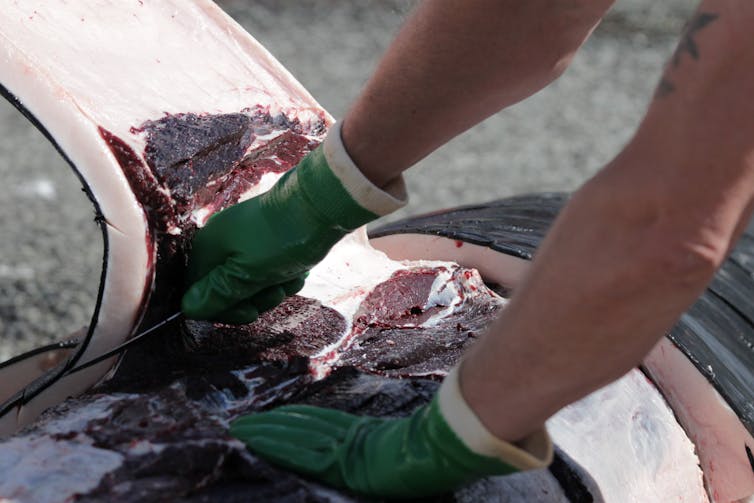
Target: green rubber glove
<point>417,456</point>
<point>250,256</point>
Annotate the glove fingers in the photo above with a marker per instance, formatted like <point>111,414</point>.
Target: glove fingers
<point>295,285</point>
<point>303,438</point>
<point>205,253</point>
<point>340,419</point>
<point>292,456</point>
<point>268,298</point>
<point>248,310</point>
<point>309,440</point>
<point>294,447</point>
<point>218,291</point>
<point>243,313</point>
<point>313,419</point>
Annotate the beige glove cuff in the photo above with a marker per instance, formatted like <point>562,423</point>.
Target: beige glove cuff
<point>535,451</point>
<point>379,201</point>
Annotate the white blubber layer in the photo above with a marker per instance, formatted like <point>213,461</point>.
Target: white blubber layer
<point>78,137</point>
<point>123,62</point>
<point>62,463</point>
<point>78,66</point>
<point>717,432</point>
<point>626,437</point>
<point>494,266</point>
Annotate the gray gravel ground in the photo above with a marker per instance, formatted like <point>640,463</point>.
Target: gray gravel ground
<point>50,250</point>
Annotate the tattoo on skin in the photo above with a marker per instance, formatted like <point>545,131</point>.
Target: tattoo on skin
<point>664,88</point>
<point>688,46</point>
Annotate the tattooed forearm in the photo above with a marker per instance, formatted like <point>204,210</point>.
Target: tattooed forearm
<point>664,88</point>
<point>686,46</point>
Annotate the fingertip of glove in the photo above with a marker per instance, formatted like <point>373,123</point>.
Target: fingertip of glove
<point>239,431</point>
<point>252,432</point>
<point>294,286</point>
<point>246,424</point>
<point>248,314</point>
<point>269,298</point>
<point>241,421</point>
<point>255,418</point>
<point>196,305</point>
<point>190,303</point>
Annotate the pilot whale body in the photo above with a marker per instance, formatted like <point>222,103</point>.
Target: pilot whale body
<point>169,112</point>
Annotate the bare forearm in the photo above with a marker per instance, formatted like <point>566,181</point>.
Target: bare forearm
<point>637,244</point>
<point>452,65</point>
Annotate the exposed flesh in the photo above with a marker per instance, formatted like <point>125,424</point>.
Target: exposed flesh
<point>112,65</point>
<point>714,428</point>
<point>159,425</point>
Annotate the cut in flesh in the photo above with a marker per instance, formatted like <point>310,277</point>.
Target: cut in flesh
<point>172,112</point>
<point>103,80</point>
<point>705,368</point>
<point>158,428</point>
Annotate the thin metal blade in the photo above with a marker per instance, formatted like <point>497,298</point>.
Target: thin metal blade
<point>133,340</point>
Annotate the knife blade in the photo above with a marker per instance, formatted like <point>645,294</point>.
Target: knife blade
<point>133,340</point>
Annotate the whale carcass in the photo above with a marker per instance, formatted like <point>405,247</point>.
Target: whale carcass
<point>172,113</point>
<point>104,80</point>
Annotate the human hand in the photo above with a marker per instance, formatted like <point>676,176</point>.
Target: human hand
<point>250,256</point>
<point>436,449</point>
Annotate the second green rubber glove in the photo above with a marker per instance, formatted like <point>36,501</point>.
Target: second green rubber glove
<point>250,256</point>
<point>439,447</point>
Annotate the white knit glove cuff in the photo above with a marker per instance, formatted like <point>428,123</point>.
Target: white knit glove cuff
<point>379,201</point>
<point>534,451</point>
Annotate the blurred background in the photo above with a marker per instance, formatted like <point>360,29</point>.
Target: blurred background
<point>51,250</point>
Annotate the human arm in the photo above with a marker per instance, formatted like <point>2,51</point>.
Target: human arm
<point>449,68</point>
<point>234,273</point>
<point>635,246</point>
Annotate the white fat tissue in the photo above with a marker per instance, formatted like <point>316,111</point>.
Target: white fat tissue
<point>453,291</point>
<point>353,269</point>
<point>200,216</point>
<point>349,272</point>
<point>142,447</point>
<point>80,66</point>
<point>712,425</point>
<point>40,470</point>
<point>69,423</point>
<point>265,183</point>
<point>182,50</point>
<point>627,438</point>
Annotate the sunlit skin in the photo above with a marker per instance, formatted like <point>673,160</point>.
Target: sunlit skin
<point>635,245</point>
